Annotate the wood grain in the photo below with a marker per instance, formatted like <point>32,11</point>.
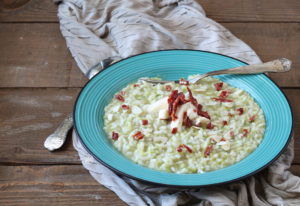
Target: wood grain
<point>221,11</point>
<point>29,115</point>
<point>35,55</point>
<point>52,185</point>
<point>57,185</point>
<point>271,41</point>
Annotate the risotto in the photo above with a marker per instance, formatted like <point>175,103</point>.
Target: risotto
<point>184,128</point>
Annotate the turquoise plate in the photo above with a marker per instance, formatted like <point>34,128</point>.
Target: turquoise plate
<point>172,65</point>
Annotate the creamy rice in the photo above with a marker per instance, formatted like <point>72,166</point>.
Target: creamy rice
<point>139,133</point>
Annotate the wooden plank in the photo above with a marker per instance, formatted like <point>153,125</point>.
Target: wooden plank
<point>272,41</point>
<point>48,63</point>
<point>36,55</point>
<point>29,115</point>
<point>52,185</point>
<point>232,10</point>
<point>28,11</point>
<point>252,11</point>
<point>57,185</point>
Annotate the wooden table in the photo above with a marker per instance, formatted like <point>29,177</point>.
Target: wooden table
<point>39,82</point>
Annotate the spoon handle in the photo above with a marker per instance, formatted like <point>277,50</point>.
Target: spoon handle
<point>58,137</point>
<point>278,65</point>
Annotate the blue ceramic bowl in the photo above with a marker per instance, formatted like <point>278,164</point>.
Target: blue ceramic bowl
<point>172,65</point>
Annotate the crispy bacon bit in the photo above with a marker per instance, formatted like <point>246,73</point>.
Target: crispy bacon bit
<point>223,139</point>
<point>208,150</point>
<point>231,133</point>
<point>204,114</point>
<point>230,115</point>
<point>171,100</point>
<point>199,108</point>
<point>240,110</point>
<point>245,132</point>
<point>218,86</point>
<point>138,136</point>
<point>192,99</point>
<point>179,148</point>
<point>179,101</point>
<point>222,100</point>
<point>252,118</point>
<point>224,123</point>
<point>119,97</point>
<point>183,81</point>
<point>125,107</point>
<point>188,149</point>
<point>115,136</point>
<point>174,130</point>
<point>186,121</point>
<point>168,88</point>
<point>144,122</point>
<point>210,126</point>
<point>136,85</point>
<point>223,94</point>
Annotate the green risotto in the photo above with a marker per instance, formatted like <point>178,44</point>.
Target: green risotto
<point>184,128</point>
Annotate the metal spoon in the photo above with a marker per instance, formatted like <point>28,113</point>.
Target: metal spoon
<point>58,137</point>
<point>278,65</point>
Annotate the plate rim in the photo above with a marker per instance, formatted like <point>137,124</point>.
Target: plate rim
<point>171,185</point>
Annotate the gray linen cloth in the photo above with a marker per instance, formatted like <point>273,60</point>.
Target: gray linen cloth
<point>97,29</point>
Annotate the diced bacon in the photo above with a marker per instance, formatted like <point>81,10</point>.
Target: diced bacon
<point>119,97</point>
<point>188,149</point>
<point>223,94</point>
<point>186,121</point>
<point>245,132</point>
<point>174,130</point>
<point>208,150</point>
<point>192,99</point>
<point>115,136</point>
<point>138,136</point>
<point>199,109</point>
<point>240,110</point>
<point>183,81</point>
<point>252,118</point>
<point>180,147</point>
<point>144,122</point>
<point>222,100</point>
<point>179,101</point>
<point>136,85</point>
<point>210,126</point>
<point>218,86</point>
<point>230,115</point>
<point>125,107</point>
<point>224,123</point>
<point>204,114</point>
<point>231,133</point>
<point>171,100</point>
<point>168,88</point>
<point>223,139</point>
